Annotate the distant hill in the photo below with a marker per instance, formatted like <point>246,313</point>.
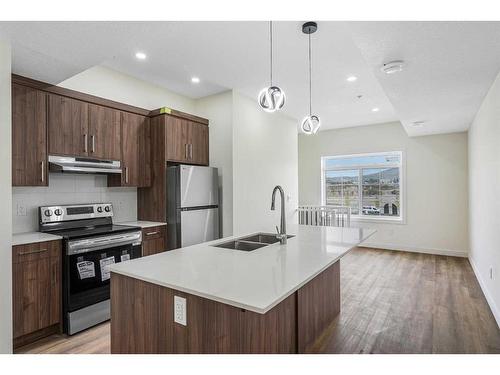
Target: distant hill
<point>387,174</point>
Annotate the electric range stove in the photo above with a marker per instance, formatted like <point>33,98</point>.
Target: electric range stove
<point>91,243</point>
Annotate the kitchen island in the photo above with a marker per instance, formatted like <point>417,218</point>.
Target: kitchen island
<point>275,299</point>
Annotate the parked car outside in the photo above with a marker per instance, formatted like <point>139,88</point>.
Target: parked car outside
<point>370,210</point>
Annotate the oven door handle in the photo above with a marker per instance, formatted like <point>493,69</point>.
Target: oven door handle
<point>100,243</point>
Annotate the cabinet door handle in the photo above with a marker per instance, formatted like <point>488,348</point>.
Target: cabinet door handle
<point>54,275</point>
<point>151,233</point>
<point>42,165</point>
<point>190,151</point>
<point>92,140</point>
<point>186,152</point>
<point>85,143</point>
<point>126,175</point>
<point>32,252</point>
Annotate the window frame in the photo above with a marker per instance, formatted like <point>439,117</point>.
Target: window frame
<point>401,219</point>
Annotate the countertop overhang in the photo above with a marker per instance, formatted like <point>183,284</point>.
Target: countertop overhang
<point>256,280</point>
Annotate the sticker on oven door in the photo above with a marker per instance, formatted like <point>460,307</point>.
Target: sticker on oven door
<point>125,257</point>
<point>86,269</point>
<point>105,263</point>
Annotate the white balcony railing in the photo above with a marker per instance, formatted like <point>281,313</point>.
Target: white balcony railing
<point>334,216</point>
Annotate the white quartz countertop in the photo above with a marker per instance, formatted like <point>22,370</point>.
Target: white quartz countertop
<point>32,237</point>
<point>143,224</point>
<point>257,280</point>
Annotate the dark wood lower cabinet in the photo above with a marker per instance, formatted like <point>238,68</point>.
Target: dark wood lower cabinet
<point>142,319</point>
<point>36,290</point>
<point>154,240</point>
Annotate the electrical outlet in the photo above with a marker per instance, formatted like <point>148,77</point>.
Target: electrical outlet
<point>21,210</point>
<point>180,310</point>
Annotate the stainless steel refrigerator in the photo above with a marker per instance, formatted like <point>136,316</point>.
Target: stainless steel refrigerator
<point>192,205</point>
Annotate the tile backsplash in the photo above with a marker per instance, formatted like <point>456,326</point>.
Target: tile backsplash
<point>70,189</point>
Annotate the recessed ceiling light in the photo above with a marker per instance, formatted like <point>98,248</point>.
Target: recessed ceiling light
<point>376,109</point>
<point>392,67</point>
<point>140,55</point>
<point>351,78</point>
<point>195,80</point>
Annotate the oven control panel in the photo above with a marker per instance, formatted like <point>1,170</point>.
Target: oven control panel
<point>50,214</point>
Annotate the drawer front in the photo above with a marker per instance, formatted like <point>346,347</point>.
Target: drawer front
<point>34,251</point>
<point>153,233</point>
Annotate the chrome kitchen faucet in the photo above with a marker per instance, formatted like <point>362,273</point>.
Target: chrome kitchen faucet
<point>282,231</point>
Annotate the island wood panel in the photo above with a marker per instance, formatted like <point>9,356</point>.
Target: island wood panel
<point>142,322</point>
<point>318,303</point>
<point>29,137</point>
<point>68,123</point>
<point>105,133</point>
<point>152,201</point>
<point>141,317</point>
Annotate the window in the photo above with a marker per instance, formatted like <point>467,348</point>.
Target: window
<point>371,184</point>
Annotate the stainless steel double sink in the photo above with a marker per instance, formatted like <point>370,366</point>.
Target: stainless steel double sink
<point>250,243</point>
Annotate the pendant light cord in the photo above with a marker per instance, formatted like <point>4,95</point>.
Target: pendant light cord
<point>310,78</point>
<point>271,44</point>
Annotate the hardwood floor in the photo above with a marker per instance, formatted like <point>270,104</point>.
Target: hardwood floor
<point>399,302</point>
<point>392,302</point>
<point>95,340</point>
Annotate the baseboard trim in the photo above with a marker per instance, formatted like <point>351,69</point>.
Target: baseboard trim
<point>493,307</point>
<point>453,253</point>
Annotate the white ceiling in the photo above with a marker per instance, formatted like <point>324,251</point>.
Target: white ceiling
<point>450,65</point>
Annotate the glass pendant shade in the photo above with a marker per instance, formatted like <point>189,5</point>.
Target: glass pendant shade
<point>271,98</point>
<point>311,124</point>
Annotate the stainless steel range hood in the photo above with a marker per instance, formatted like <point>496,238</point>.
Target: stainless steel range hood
<point>70,164</point>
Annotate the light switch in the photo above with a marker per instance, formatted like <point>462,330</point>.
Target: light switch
<point>21,210</point>
<point>180,310</point>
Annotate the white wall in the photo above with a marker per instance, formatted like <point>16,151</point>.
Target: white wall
<point>264,155</point>
<point>436,184</point>
<point>110,84</point>
<point>218,109</point>
<point>5,201</point>
<point>484,201</point>
<point>70,189</point>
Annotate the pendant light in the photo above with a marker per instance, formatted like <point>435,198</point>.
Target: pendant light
<point>271,98</point>
<point>311,123</point>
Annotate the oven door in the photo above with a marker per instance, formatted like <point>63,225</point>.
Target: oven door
<point>87,264</point>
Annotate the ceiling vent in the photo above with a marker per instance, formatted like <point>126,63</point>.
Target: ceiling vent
<point>393,67</point>
<point>417,124</point>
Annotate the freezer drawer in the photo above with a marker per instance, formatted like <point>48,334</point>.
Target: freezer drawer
<point>198,186</point>
<point>199,226</point>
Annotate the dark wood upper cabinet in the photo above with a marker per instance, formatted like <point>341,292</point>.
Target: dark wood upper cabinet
<point>104,132</point>
<point>187,141</point>
<point>36,288</point>
<point>135,152</point>
<point>199,143</point>
<point>68,126</point>
<point>29,136</point>
<point>176,133</point>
